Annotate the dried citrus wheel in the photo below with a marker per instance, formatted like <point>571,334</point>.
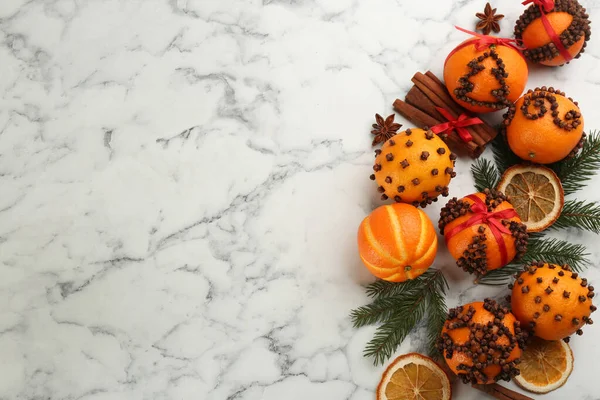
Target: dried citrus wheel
<point>545,365</point>
<point>536,194</point>
<point>414,376</point>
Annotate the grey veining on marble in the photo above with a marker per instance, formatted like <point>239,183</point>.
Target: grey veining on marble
<point>181,182</point>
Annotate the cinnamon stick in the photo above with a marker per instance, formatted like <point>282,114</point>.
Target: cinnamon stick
<point>420,107</point>
<point>489,133</point>
<point>415,115</point>
<point>416,98</point>
<point>501,393</point>
<point>486,131</point>
<point>425,120</point>
<point>439,95</point>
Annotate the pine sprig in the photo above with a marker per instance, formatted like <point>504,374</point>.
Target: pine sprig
<point>381,289</point>
<point>392,333</point>
<point>549,250</point>
<point>399,307</point>
<point>380,310</point>
<point>485,174</point>
<point>557,251</point>
<point>580,215</point>
<point>437,314</point>
<point>576,172</point>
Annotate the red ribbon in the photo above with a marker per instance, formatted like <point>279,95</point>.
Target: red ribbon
<point>484,41</point>
<point>457,124</point>
<point>492,219</point>
<point>548,5</point>
<point>545,7</point>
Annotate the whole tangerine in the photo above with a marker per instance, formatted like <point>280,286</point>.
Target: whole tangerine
<point>569,23</point>
<point>552,301</point>
<point>544,126</point>
<point>485,80</point>
<point>414,166</point>
<point>477,245</point>
<point>397,242</point>
<point>482,342</point>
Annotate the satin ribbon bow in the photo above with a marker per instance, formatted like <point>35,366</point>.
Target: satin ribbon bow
<point>548,5</point>
<point>545,7</point>
<point>485,41</point>
<point>459,124</point>
<point>482,42</point>
<point>492,219</point>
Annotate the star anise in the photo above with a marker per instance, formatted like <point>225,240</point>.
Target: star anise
<point>384,129</point>
<point>489,20</point>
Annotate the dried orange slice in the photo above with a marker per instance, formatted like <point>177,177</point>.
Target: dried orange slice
<point>536,194</point>
<point>414,377</point>
<point>545,365</point>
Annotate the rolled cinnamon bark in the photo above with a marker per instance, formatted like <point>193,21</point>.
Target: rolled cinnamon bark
<point>487,132</point>
<point>420,107</point>
<point>440,97</point>
<point>501,393</point>
<point>424,120</point>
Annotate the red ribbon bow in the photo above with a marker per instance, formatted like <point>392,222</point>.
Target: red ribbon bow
<point>548,5</point>
<point>492,219</point>
<point>457,124</point>
<point>545,7</point>
<point>484,41</point>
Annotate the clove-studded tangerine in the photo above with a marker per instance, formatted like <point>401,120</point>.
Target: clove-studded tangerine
<point>552,301</point>
<point>483,231</point>
<point>482,342</point>
<point>485,79</point>
<point>554,34</point>
<point>414,166</point>
<point>544,126</point>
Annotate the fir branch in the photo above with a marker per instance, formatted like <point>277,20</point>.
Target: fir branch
<point>381,288</point>
<point>436,316</point>
<point>576,172</point>
<point>553,251</point>
<point>400,307</point>
<point>557,251</point>
<point>499,277</point>
<point>485,174</point>
<point>380,310</point>
<point>580,215</point>
<point>392,333</point>
<point>504,157</point>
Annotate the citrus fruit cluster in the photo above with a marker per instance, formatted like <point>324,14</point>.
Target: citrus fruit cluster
<point>484,342</point>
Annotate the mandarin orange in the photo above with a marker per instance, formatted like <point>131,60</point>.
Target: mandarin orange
<point>477,244</point>
<point>481,342</point>
<point>568,21</point>
<point>544,126</point>
<point>397,242</point>
<point>553,301</point>
<point>485,80</point>
<point>414,166</point>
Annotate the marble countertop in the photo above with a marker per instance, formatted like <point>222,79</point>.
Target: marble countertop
<point>181,182</point>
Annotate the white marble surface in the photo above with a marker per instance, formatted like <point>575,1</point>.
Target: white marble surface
<point>181,182</point>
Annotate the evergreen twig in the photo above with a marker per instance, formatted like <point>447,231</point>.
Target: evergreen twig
<point>381,289</point>
<point>392,333</point>
<point>437,314</point>
<point>400,307</point>
<point>485,174</point>
<point>549,250</point>
<point>580,215</point>
<point>576,172</point>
